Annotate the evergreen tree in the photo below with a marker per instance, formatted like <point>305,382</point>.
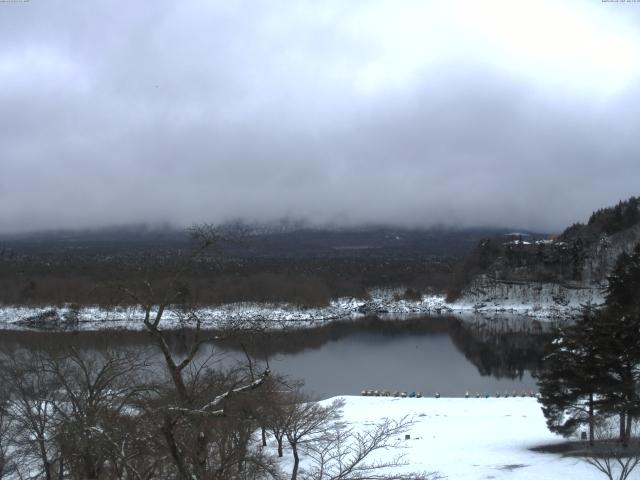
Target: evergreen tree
<point>620,339</point>
<point>593,366</point>
<point>571,377</point>
<point>623,290</point>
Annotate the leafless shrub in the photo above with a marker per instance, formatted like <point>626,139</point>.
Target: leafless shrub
<point>616,460</point>
<point>347,454</point>
<point>7,464</point>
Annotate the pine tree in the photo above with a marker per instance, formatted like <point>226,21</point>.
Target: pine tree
<point>620,338</point>
<point>623,290</point>
<point>571,377</point>
<point>593,366</point>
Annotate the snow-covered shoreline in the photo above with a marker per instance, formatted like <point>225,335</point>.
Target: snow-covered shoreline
<point>284,315</point>
<point>471,439</point>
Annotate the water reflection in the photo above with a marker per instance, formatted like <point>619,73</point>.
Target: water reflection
<point>449,355</point>
<point>446,354</point>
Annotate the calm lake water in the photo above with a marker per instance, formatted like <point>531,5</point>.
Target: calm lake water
<point>448,355</point>
<point>427,363</point>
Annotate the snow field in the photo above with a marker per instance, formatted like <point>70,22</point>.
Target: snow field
<point>471,439</point>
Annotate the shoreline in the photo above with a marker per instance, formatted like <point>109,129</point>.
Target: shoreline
<point>382,302</point>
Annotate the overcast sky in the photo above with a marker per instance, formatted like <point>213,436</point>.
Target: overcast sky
<point>501,113</point>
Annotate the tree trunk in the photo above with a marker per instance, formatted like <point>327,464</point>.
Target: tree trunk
<point>61,468</point>
<point>243,441</point>
<point>279,447</point>
<point>623,423</point>
<point>591,419</point>
<point>178,381</point>
<point>167,430</point>
<point>296,462</point>
<point>264,437</point>
<point>90,470</point>
<point>45,459</point>
<point>201,454</point>
<point>174,371</point>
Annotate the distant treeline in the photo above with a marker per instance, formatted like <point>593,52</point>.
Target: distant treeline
<point>306,267</point>
<point>308,282</point>
<point>606,220</point>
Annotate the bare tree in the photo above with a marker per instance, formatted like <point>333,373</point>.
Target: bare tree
<point>346,454</point>
<point>32,408</point>
<point>332,450</point>
<point>276,408</point>
<point>96,394</point>
<point>615,459</point>
<point>305,421</point>
<point>199,395</point>
<point>73,414</point>
<point>7,465</point>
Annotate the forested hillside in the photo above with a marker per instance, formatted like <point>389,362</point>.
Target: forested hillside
<point>581,257</point>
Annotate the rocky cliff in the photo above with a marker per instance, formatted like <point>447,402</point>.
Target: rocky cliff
<point>554,274</point>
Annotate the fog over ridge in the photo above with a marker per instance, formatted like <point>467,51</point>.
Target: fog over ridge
<point>342,113</point>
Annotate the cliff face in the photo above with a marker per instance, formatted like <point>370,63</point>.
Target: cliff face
<point>559,275</point>
<point>488,294</point>
<point>603,254</point>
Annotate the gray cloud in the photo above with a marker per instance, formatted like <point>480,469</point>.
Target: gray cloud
<point>340,112</point>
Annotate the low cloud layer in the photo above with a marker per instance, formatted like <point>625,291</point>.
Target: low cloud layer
<point>412,113</point>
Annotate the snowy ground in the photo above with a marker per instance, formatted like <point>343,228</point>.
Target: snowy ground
<point>280,315</point>
<point>472,439</point>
